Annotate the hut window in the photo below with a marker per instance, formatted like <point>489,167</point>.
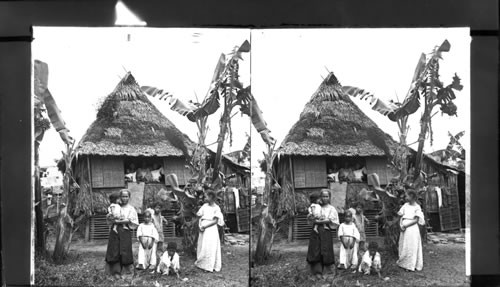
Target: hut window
<point>309,172</point>
<point>177,166</point>
<point>379,166</point>
<point>346,169</point>
<point>107,172</point>
<point>144,169</point>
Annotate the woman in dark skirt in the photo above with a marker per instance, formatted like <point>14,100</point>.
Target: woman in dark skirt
<point>119,256</point>
<point>320,254</point>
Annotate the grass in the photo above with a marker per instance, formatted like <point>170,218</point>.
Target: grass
<point>444,265</point>
<point>85,267</point>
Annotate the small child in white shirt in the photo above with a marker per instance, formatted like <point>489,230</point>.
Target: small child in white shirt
<point>114,209</point>
<point>169,261</point>
<point>371,260</point>
<point>315,209</point>
<point>148,238</point>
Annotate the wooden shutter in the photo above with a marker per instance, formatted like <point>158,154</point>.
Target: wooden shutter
<point>309,172</point>
<point>176,165</point>
<point>378,165</point>
<point>107,172</point>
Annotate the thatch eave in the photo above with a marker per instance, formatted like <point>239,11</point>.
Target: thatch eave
<point>106,148</point>
<point>362,149</point>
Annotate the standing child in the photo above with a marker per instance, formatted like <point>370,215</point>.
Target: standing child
<point>148,237</point>
<point>158,221</point>
<point>169,260</point>
<point>315,209</point>
<point>360,220</point>
<point>371,260</point>
<point>349,238</point>
<point>114,209</point>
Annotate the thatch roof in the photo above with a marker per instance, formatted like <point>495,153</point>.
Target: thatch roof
<point>331,124</point>
<point>129,124</point>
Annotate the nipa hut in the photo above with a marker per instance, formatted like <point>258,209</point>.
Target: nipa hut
<point>445,196</point>
<point>334,145</point>
<point>237,195</point>
<point>131,144</point>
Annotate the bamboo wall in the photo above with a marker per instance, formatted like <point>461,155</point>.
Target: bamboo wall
<point>308,175</point>
<point>107,171</point>
<point>448,215</point>
<point>98,229</point>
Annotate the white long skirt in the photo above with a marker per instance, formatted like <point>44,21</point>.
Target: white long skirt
<point>146,257</point>
<point>410,249</point>
<point>208,252</point>
<point>349,257</point>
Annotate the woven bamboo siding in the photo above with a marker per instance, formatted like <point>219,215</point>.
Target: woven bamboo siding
<point>107,172</point>
<point>371,230</point>
<point>309,172</point>
<point>176,165</point>
<point>99,228</point>
<point>299,172</point>
<point>450,215</point>
<point>449,212</point>
<point>379,166</point>
<point>302,229</point>
<point>243,219</point>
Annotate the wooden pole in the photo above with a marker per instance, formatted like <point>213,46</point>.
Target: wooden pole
<point>291,221</point>
<point>90,185</point>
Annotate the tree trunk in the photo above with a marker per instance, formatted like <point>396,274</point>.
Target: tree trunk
<point>220,143</point>
<point>202,152</point>
<point>64,229</point>
<point>190,236</point>
<point>267,223</point>
<point>424,124</point>
<point>64,232</point>
<point>266,232</point>
<point>40,228</point>
<point>403,129</point>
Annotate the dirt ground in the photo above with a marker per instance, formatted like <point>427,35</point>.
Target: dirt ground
<point>444,265</point>
<point>85,267</point>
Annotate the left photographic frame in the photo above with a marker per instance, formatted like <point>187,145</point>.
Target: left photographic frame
<point>141,150</point>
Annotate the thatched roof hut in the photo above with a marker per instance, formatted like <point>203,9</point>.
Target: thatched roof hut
<point>129,136</point>
<point>333,137</point>
<point>331,124</point>
<point>128,124</point>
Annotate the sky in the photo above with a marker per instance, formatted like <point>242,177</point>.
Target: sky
<point>85,65</point>
<point>288,65</point>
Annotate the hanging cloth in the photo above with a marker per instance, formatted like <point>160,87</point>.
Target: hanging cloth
<point>439,195</point>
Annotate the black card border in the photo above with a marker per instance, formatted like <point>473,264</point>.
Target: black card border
<point>17,18</point>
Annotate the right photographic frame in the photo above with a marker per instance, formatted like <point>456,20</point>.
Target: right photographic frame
<point>360,157</point>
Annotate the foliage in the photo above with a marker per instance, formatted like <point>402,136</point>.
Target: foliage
<point>229,87</point>
<point>425,85</point>
<point>226,85</point>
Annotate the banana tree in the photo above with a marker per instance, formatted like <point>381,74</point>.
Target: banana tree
<point>41,124</point>
<point>64,230</point>
<point>425,85</point>
<point>225,83</point>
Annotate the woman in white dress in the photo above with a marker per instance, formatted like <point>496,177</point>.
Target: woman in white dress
<point>410,243</point>
<point>208,252</point>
